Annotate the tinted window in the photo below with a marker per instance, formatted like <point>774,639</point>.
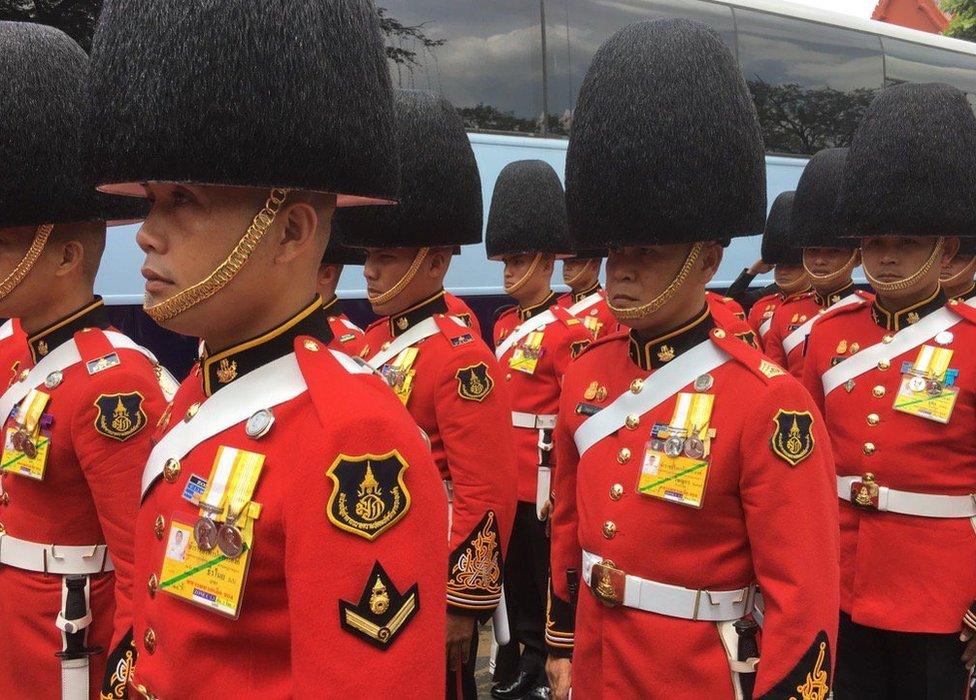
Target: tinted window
<point>485,57</point>
<point>913,63</point>
<point>810,82</point>
<point>576,28</point>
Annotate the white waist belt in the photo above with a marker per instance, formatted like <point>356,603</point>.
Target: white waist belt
<point>924,505</point>
<point>675,601</point>
<point>535,421</point>
<point>54,558</point>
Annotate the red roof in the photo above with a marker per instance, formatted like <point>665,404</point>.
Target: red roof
<point>924,15</point>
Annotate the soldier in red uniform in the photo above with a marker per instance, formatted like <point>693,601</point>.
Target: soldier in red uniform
<point>957,273</point>
<point>534,343</point>
<point>77,394</point>
<point>671,503</point>
<point>895,381</point>
<point>444,374</point>
<point>459,309</point>
<point>787,262</point>
<point>290,541</point>
<point>347,337</point>
<point>586,299</point>
<point>828,258</point>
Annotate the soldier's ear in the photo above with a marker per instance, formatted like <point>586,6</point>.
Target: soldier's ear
<point>949,249</point>
<point>299,232</point>
<point>71,257</point>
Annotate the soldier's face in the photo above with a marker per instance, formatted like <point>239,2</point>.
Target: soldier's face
<point>580,273</point>
<point>534,283</point>
<point>36,287</point>
<point>788,276</point>
<point>892,259</point>
<point>825,261</point>
<point>956,264</point>
<point>386,267</point>
<point>189,232</point>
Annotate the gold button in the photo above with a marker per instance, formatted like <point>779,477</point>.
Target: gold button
<point>508,377</point>
<point>633,420</point>
<point>23,375</point>
<point>311,346</point>
<point>191,411</point>
<point>878,391</point>
<point>883,364</point>
<point>873,419</point>
<point>637,385</point>
<point>149,640</point>
<point>868,448</point>
<point>623,456</point>
<point>616,491</point>
<point>171,470</point>
<point>160,527</point>
<point>887,339</point>
<point>153,585</point>
<point>609,529</point>
<point>385,346</point>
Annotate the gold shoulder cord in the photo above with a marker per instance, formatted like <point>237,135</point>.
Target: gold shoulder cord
<point>26,264</point>
<point>911,280</point>
<point>664,297</point>
<point>408,276</point>
<point>228,269</point>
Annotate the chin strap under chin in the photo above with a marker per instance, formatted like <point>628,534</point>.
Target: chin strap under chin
<point>583,270</point>
<point>966,272</point>
<point>407,278</point>
<point>26,264</point>
<point>912,279</point>
<point>664,297</point>
<point>521,282</point>
<point>846,269</point>
<point>228,269</point>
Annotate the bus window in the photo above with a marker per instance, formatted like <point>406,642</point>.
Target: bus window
<point>485,57</point>
<point>576,28</point>
<point>906,62</point>
<point>810,82</point>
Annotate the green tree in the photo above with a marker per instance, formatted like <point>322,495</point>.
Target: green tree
<point>962,18</point>
<point>76,18</point>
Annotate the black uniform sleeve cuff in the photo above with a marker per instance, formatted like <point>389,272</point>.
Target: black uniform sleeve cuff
<point>117,669</point>
<point>560,625</point>
<point>474,585</point>
<point>812,672</point>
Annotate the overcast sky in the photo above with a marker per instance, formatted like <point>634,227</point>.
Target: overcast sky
<point>861,8</point>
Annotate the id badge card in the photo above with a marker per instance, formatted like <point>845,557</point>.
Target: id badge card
<point>525,357</point>
<point>936,404</point>
<point>206,579</point>
<point>676,479</point>
<point>15,461</point>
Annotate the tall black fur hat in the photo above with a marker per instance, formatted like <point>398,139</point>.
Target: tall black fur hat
<point>911,168</point>
<point>44,176</point>
<point>338,254</point>
<point>666,146</point>
<point>814,222</point>
<point>528,212</point>
<point>440,196</point>
<point>255,93</point>
<point>777,246</point>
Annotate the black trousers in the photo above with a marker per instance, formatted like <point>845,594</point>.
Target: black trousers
<point>876,664</point>
<point>526,590</point>
<point>460,683</point>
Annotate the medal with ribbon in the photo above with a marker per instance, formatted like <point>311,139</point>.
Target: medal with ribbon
<point>927,387</point>
<point>399,374</point>
<point>25,447</point>
<point>526,356</point>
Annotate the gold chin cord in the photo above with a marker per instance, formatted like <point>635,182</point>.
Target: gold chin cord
<point>966,272</point>
<point>664,297</point>
<point>800,285</point>
<point>228,269</point>
<point>846,269</point>
<point>26,264</point>
<point>912,279</point>
<point>407,278</point>
<point>583,270</point>
<point>521,282</point>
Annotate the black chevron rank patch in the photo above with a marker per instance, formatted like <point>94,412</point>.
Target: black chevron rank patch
<point>382,611</point>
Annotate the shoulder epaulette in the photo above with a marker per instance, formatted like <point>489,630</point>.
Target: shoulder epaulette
<point>746,355</point>
<point>963,309</point>
<point>841,310</point>
<point>563,315</point>
<point>96,351</point>
<point>456,333</point>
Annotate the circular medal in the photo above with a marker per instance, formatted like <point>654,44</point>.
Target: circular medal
<point>205,533</point>
<point>673,446</point>
<point>944,338</point>
<point>934,387</point>
<point>704,382</point>
<point>916,384</point>
<point>29,448</point>
<point>259,424</point>
<point>230,541</point>
<point>694,447</point>
<point>18,438</point>
<point>54,379</point>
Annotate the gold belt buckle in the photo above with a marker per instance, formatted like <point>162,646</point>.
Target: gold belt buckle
<point>607,583</point>
<point>864,493</point>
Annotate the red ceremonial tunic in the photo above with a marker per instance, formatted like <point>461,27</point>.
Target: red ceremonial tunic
<point>598,317</point>
<point>537,392</point>
<point>766,515</point>
<point>343,596</point>
<point>88,496</point>
<point>457,307</point>
<point>761,314</point>
<point>900,572</point>
<point>347,337</point>
<point>457,398</point>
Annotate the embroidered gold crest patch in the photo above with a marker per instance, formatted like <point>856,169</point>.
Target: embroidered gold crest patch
<point>576,349</point>
<point>382,611</point>
<point>475,569</point>
<point>369,495</point>
<point>120,416</point>
<point>792,439</point>
<point>474,382</point>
